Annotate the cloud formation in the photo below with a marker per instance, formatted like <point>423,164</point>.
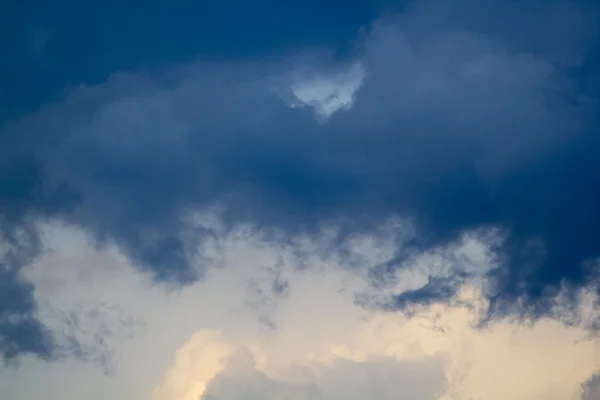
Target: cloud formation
<point>437,183</point>
<point>236,332</point>
<point>591,389</point>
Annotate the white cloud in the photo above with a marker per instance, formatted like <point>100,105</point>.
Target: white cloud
<point>326,93</point>
<point>311,340</point>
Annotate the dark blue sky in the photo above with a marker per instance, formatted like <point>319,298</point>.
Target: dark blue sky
<point>47,45</point>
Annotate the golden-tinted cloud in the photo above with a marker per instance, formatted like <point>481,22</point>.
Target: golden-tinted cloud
<point>282,319</point>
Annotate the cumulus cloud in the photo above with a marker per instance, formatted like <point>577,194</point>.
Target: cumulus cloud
<point>238,333</point>
<point>380,379</point>
<point>416,218</point>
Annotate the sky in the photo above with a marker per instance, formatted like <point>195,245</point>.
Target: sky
<point>301,200</point>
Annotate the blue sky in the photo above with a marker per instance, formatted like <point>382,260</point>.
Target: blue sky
<point>233,200</point>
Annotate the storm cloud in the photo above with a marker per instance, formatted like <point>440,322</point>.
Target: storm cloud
<point>459,117</point>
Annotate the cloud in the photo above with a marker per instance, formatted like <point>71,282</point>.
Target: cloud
<point>381,379</point>
<point>238,330</point>
<point>460,123</point>
<point>591,389</point>
<point>20,330</point>
<point>328,94</point>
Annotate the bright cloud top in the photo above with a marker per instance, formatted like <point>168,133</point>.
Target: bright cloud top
<point>328,94</point>
<point>280,320</point>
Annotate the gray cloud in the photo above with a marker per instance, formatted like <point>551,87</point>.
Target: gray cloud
<point>463,121</point>
<point>20,330</point>
<point>591,389</point>
<point>385,378</point>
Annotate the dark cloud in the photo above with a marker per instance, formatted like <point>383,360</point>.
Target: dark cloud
<point>20,330</point>
<point>468,117</point>
<point>591,389</point>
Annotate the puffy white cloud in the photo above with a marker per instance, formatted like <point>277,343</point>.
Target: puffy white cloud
<point>280,320</point>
